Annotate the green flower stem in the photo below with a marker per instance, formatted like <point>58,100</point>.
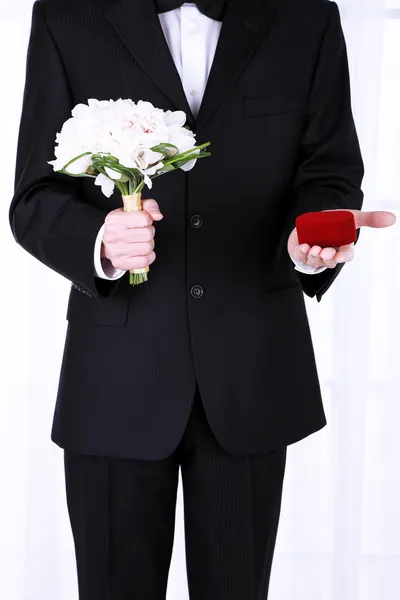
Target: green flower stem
<point>180,162</point>
<point>137,278</point>
<point>205,145</point>
<point>80,174</point>
<point>120,187</point>
<point>139,187</point>
<point>188,155</point>
<point>75,159</point>
<point>132,180</point>
<point>189,152</point>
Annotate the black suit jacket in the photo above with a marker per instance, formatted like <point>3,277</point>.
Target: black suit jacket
<point>277,112</point>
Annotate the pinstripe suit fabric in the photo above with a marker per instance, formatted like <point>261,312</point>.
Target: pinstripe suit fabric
<point>123,513</point>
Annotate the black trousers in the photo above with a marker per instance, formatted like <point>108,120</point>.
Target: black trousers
<point>122,514</point>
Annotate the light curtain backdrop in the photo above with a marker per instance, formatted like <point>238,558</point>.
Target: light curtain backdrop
<point>339,537</point>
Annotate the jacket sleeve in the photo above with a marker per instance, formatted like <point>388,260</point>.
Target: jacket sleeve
<point>330,167</point>
<point>49,216</point>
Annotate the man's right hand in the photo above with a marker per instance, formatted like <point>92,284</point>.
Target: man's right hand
<point>128,239</point>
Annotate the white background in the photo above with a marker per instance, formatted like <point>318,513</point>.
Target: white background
<point>339,537</point>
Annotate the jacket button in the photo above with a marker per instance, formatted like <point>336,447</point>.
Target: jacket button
<point>197,291</point>
<point>196,221</point>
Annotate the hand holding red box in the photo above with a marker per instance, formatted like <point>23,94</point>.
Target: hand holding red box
<point>326,238</point>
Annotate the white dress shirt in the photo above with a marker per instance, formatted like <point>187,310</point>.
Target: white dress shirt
<point>192,40</point>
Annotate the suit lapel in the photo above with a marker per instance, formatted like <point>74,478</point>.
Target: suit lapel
<point>244,27</point>
<point>137,24</point>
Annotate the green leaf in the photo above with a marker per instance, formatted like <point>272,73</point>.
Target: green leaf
<point>74,160</point>
<point>166,168</point>
<point>165,148</point>
<point>140,187</point>
<point>72,174</point>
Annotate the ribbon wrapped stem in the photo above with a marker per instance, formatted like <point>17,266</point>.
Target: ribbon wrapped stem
<point>133,202</point>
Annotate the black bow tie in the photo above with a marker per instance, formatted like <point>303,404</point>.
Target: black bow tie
<point>214,9</point>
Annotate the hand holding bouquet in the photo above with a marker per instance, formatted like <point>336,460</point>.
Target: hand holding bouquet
<point>125,145</point>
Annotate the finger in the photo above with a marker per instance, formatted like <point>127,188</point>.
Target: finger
<point>153,209</point>
<point>328,254</point>
<point>126,263</point>
<point>300,252</point>
<point>113,216</point>
<point>345,253</point>
<point>128,236</point>
<point>304,249</point>
<point>328,257</point>
<point>141,234</point>
<point>126,220</point>
<point>329,264</point>
<point>139,262</point>
<point>132,249</point>
<point>375,218</point>
<point>314,258</point>
<point>138,219</point>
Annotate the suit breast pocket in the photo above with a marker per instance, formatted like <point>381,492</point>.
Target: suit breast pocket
<point>276,104</point>
<point>106,312</point>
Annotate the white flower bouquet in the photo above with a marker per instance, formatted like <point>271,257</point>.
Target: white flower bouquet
<point>125,145</point>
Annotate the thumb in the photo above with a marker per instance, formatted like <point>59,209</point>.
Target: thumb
<point>374,218</point>
<point>153,209</point>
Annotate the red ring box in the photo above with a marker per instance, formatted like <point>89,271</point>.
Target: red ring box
<point>327,229</point>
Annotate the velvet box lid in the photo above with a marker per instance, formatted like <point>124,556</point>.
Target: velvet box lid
<point>327,229</point>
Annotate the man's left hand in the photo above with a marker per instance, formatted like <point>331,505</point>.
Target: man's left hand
<point>331,257</point>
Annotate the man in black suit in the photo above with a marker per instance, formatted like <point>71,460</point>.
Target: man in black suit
<point>208,367</point>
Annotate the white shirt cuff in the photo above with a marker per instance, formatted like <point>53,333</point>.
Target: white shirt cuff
<point>102,266</point>
<point>307,269</point>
